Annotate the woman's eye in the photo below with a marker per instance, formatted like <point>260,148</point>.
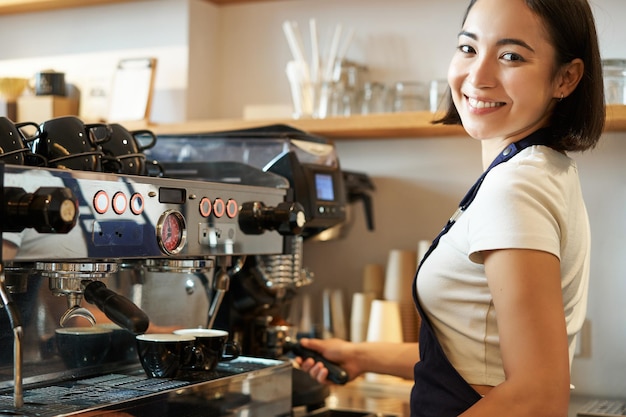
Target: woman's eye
<point>466,49</point>
<point>511,56</point>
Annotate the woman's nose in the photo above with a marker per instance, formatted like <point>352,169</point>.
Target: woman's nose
<point>482,73</point>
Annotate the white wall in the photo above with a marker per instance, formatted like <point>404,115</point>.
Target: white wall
<point>238,54</point>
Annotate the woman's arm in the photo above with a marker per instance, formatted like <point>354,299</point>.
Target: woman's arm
<point>526,290</point>
<point>395,359</point>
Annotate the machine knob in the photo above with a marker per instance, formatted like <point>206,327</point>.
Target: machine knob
<point>47,210</point>
<point>287,218</point>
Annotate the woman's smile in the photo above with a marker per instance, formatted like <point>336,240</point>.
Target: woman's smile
<point>502,76</point>
<point>479,104</point>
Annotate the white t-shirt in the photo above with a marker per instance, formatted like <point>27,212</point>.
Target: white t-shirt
<point>533,201</point>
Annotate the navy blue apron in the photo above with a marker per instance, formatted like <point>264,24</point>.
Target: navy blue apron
<point>439,390</point>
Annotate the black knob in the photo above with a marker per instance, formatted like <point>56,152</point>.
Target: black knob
<point>47,210</point>
<point>287,218</point>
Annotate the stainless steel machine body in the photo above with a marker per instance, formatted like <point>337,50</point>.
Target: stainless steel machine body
<point>168,247</point>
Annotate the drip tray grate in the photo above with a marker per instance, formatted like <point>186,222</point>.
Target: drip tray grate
<point>69,397</point>
<point>76,396</point>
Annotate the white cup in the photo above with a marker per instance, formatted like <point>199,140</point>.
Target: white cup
<point>401,266</point>
<point>384,322</point>
<point>338,317</point>
<point>422,248</point>
<point>359,316</point>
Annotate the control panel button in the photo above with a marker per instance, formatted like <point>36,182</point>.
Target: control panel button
<point>205,207</point>
<point>136,203</point>
<point>120,202</point>
<point>219,207</point>
<point>232,208</point>
<point>101,202</point>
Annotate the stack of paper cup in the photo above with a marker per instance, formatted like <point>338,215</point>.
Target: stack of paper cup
<point>384,326</point>
<point>360,314</point>
<point>374,280</point>
<point>401,266</point>
<point>384,323</point>
<point>422,248</point>
<point>337,315</point>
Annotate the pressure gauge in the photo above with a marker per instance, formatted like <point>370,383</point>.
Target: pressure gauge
<point>171,232</point>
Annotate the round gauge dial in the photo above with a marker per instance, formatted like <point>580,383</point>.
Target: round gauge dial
<point>171,232</point>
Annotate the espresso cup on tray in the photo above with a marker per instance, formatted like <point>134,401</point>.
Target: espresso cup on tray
<point>82,346</point>
<point>214,345</point>
<point>163,355</point>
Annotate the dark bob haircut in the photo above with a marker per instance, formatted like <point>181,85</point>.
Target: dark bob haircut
<point>577,120</point>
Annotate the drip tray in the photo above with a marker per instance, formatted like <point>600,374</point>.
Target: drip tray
<point>347,413</point>
<point>114,390</point>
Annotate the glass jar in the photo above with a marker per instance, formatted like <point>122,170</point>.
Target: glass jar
<point>614,72</point>
<point>410,96</point>
<point>373,98</point>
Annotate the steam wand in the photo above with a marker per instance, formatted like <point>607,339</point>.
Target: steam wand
<point>18,333</point>
<point>221,285</point>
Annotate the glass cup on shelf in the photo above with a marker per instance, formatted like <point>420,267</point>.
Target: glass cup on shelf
<point>410,96</point>
<point>438,95</point>
<point>373,98</point>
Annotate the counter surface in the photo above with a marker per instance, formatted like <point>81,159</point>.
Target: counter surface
<point>391,395</point>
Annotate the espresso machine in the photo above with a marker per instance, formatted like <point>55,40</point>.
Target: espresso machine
<point>150,252</point>
<point>257,307</point>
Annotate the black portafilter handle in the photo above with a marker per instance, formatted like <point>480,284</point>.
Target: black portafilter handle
<point>336,373</point>
<point>119,309</point>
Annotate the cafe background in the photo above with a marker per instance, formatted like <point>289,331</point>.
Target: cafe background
<point>215,61</point>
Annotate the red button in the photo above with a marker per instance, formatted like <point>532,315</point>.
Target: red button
<point>136,203</point>
<point>219,207</point>
<point>232,208</point>
<point>120,202</point>
<point>101,202</point>
<point>205,207</point>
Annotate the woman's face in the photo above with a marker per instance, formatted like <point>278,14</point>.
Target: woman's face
<point>502,74</point>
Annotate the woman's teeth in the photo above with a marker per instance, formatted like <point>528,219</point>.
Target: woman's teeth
<point>483,104</point>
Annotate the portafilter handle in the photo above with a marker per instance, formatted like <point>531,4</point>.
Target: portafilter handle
<point>119,309</point>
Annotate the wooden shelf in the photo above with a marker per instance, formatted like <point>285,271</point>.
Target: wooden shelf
<point>26,6</point>
<point>376,126</point>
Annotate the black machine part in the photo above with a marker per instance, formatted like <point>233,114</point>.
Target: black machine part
<point>47,210</point>
<point>119,309</point>
<point>336,374</point>
<point>358,187</point>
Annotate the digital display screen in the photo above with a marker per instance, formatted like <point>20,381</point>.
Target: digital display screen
<point>324,187</point>
<point>171,195</point>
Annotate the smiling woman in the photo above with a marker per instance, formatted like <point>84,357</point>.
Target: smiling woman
<point>502,290</point>
<point>544,70</point>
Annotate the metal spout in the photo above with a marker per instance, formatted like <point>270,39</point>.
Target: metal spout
<point>66,279</point>
<point>14,318</point>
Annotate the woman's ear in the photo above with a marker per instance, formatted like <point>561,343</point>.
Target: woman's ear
<point>568,78</point>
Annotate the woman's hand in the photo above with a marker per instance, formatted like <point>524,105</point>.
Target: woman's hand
<point>339,351</point>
